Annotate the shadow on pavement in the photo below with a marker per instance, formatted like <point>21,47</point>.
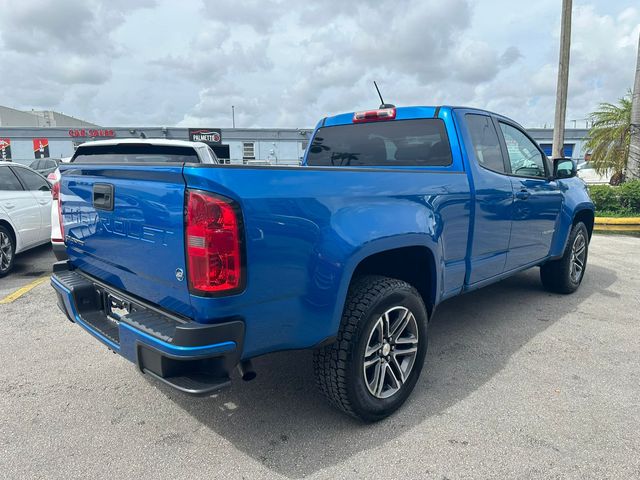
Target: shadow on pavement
<point>282,421</point>
<point>34,262</point>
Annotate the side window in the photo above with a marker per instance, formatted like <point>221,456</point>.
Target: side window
<point>486,143</point>
<point>8,180</point>
<point>524,157</point>
<point>32,180</point>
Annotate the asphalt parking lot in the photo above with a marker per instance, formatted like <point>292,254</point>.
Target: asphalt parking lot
<point>519,383</point>
<point>27,267</point>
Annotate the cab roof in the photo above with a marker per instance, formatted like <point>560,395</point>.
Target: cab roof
<point>406,113</point>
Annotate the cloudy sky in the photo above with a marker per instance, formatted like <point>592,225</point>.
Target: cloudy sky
<point>287,63</point>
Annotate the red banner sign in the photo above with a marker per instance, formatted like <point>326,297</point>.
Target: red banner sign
<point>5,149</point>
<point>41,147</point>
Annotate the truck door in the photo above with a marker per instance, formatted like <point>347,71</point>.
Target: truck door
<point>537,199</point>
<point>493,198</point>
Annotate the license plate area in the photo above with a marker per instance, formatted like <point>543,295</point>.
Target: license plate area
<point>115,307</point>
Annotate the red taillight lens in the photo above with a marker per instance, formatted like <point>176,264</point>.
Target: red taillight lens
<point>213,242</point>
<point>55,191</point>
<point>374,115</point>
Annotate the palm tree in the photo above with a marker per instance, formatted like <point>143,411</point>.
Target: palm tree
<point>609,137</point>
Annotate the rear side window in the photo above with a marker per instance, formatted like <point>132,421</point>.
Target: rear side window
<point>420,142</point>
<point>8,180</point>
<point>486,143</point>
<point>135,153</point>
<point>32,180</point>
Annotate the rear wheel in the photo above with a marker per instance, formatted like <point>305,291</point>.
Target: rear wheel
<point>373,366</point>
<point>7,251</point>
<point>566,274</point>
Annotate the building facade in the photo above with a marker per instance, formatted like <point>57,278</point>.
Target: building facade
<point>237,145</point>
<point>25,136</point>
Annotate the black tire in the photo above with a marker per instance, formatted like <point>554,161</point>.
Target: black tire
<point>340,367</point>
<point>7,250</point>
<point>557,276</point>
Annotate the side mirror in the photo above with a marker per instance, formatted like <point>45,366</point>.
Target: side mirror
<point>564,168</point>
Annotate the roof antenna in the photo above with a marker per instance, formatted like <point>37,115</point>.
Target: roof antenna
<point>382,104</point>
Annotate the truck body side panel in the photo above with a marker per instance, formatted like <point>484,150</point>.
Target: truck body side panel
<point>308,228</point>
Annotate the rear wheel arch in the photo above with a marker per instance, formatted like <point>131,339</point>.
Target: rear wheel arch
<point>412,264</point>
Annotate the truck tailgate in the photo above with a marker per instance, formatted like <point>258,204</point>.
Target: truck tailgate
<point>124,225</point>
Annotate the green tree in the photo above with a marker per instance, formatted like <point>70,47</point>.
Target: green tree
<point>609,137</point>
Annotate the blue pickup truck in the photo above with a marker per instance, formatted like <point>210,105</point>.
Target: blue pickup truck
<point>189,268</point>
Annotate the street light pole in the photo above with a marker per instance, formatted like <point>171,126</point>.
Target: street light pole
<point>563,80</point>
<point>233,116</point>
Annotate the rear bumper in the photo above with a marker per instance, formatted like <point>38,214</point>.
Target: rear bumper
<point>192,357</point>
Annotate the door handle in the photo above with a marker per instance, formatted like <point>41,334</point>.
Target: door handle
<point>9,205</point>
<point>103,196</point>
<point>523,194</point>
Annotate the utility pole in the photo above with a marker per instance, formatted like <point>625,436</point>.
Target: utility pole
<point>633,162</point>
<point>563,80</point>
<point>233,116</point>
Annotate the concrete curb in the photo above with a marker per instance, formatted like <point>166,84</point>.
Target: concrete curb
<point>624,224</point>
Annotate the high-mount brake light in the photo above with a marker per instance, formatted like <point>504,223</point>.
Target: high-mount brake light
<point>213,241</point>
<point>379,115</point>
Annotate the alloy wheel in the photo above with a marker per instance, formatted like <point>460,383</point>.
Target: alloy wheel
<point>390,352</point>
<point>578,257</point>
<point>6,252</point>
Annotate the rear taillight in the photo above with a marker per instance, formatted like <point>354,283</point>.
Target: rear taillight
<point>55,193</point>
<point>213,236</point>
<point>374,115</point>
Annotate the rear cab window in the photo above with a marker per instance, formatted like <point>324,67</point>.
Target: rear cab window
<point>135,153</point>
<point>417,142</point>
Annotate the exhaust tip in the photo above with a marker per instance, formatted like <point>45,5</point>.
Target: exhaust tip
<point>245,368</point>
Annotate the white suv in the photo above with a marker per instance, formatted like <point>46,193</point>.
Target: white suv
<point>57,237</point>
<point>25,212</point>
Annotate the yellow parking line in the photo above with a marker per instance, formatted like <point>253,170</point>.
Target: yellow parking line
<point>21,291</point>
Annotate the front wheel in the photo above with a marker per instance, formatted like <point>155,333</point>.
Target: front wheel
<point>566,274</point>
<point>373,366</point>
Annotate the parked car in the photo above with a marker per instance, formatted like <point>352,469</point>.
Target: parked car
<point>25,206</point>
<point>57,237</point>
<point>189,268</point>
<point>587,173</point>
<point>45,166</point>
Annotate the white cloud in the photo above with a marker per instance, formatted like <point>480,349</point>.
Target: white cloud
<point>284,63</point>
